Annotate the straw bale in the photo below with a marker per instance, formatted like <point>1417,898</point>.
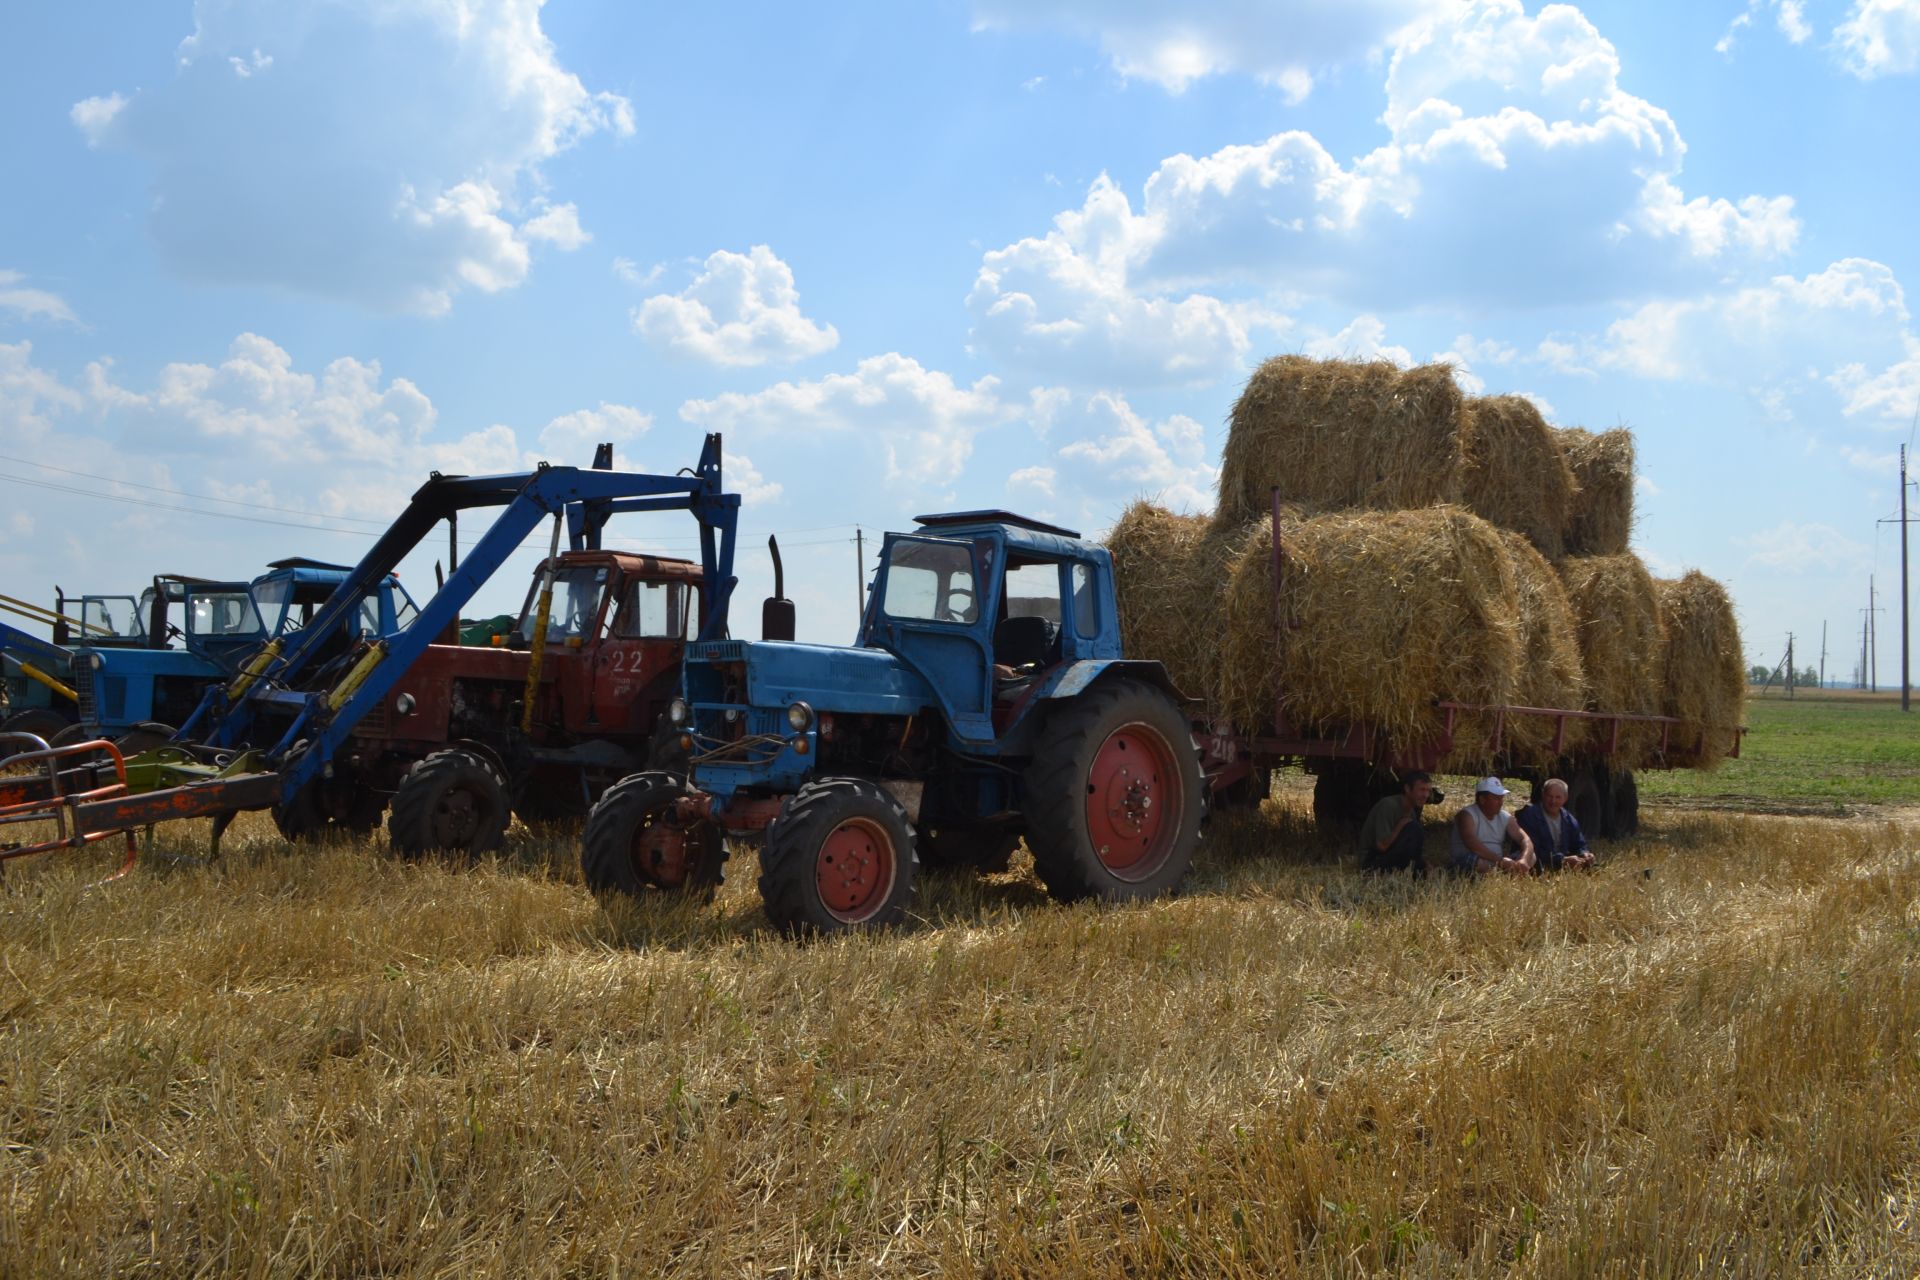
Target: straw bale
<point>1169,572</point>
<point>1705,668</point>
<point>1551,673</point>
<point>1341,433</point>
<point>1384,614</point>
<point>1515,473</point>
<point>1600,517</point>
<point>1622,644</point>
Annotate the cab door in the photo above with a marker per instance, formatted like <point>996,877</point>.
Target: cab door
<point>932,615</point>
<point>636,668</point>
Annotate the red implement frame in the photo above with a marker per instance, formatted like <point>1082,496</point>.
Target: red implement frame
<point>43,796</point>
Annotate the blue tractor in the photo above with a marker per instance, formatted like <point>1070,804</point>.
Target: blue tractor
<point>986,701</point>
<point>138,696</point>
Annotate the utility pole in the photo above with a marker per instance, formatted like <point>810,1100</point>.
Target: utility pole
<point>1873,639</point>
<point>860,568</point>
<point>1790,671</point>
<point>1823,653</point>
<point>1906,684</point>
<point>1862,682</point>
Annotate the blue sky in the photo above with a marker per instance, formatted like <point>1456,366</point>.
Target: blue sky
<point>279,259</point>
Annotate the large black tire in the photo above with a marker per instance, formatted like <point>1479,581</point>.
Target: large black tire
<point>1114,795</point>
<point>1587,803</point>
<point>71,734</point>
<point>38,721</point>
<point>985,849</point>
<point>1624,806</point>
<point>840,856</point>
<point>1343,794</point>
<point>325,808</point>
<point>451,802</point>
<point>634,842</point>
<point>144,736</point>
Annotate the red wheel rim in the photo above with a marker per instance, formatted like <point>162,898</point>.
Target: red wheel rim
<point>1134,802</point>
<point>854,870</point>
<point>660,850</point>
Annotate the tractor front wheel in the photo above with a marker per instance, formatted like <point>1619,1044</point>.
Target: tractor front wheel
<point>453,802</point>
<point>840,856</point>
<point>636,841</point>
<point>1114,796</point>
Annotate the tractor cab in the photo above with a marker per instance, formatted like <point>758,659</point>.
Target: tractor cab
<point>124,622</point>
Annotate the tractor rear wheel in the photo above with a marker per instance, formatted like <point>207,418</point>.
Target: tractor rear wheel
<point>38,721</point>
<point>1624,811</point>
<point>634,840</point>
<point>1585,802</point>
<point>840,856</point>
<point>987,850</point>
<point>454,802</point>
<point>1114,796</point>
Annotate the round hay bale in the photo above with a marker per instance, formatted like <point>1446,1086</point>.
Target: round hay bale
<point>1600,515</point>
<point>1622,646</point>
<point>1514,472</point>
<point>1551,673</point>
<point>1169,572</point>
<point>1384,613</point>
<point>1341,433</point>
<point>1705,667</point>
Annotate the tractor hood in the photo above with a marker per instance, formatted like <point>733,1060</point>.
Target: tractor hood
<point>828,678</point>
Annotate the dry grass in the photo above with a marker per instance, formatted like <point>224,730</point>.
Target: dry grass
<point>1384,612</point>
<point>1341,433</point>
<point>1600,520</point>
<point>1622,642</point>
<point>1515,474</point>
<point>1706,671</point>
<point>1699,1060</point>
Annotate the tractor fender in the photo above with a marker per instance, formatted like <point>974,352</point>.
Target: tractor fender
<point>486,753</point>
<point>1076,678</point>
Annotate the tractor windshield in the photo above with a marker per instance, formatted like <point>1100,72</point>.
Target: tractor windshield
<point>112,618</point>
<point>930,581</point>
<point>221,615</point>
<point>576,604</point>
<point>652,611</point>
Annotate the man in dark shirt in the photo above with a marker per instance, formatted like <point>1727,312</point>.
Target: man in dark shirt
<point>1554,830</point>
<point>1392,838</point>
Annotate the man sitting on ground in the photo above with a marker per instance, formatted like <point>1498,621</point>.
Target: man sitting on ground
<point>1481,831</point>
<point>1392,838</point>
<point>1557,839</point>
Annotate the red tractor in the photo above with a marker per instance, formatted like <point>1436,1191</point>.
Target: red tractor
<point>471,734</point>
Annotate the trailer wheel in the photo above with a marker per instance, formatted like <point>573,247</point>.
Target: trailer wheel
<point>1245,793</point>
<point>38,721</point>
<point>1114,796</point>
<point>840,856</point>
<point>1584,800</point>
<point>1343,794</point>
<point>988,850</point>
<point>635,842</point>
<point>1626,805</point>
<point>453,801</point>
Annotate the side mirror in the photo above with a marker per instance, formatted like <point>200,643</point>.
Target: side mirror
<point>777,618</point>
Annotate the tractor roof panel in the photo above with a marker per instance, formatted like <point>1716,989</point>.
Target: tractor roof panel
<point>950,520</point>
<point>635,564</point>
<point>301,562</point>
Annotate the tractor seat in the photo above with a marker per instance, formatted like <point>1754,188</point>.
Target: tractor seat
<point>1023,642</point>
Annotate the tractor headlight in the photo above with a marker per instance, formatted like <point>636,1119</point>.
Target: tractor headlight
<point>800,716</point>
<point>732,715</point>
<point>95,661</point>
<point>404,704</point>
<point>678,711</point>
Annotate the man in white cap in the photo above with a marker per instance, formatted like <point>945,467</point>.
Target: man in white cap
<point>1482,830</point>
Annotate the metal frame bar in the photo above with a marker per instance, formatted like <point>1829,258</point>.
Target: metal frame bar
<point>64,808</point>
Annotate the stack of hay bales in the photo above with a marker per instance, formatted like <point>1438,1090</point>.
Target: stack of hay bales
<point>1433,546</point>
<point>1704,671</point>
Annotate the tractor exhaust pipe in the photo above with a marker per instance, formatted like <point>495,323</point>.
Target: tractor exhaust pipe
<point>777,616</point>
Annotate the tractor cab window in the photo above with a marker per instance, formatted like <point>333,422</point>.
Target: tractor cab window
<point>112,618</point>
<point>404,610</point>
<point>272,599</point>
<point>1028,632</point>
<point>930,581</point>
<point>222,614</point>
<point>576,604</point>
<point>652,611</point>
<point>1086,609</point>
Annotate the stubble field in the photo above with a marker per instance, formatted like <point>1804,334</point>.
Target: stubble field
<point>1701,1059</point>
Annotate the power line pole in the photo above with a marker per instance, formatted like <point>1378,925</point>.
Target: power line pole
<point>1823,653</point>
<point>860,568</point>
<point>1790,671</point>
<point>1873,639</point>
<point>1906,685</point>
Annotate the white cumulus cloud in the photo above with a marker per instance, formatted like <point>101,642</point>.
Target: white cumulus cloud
<point>742,309</point>
<point>1117,454</point>
<point>385,152</point>
<point>1880,37</point>
<point>923,419</point>
<point>31,304</point>
<point>1172,44</point>
<point>1804,548</point>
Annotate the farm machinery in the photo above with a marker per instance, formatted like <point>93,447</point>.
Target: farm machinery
<point>316,731</point>
<point>985,701</point>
